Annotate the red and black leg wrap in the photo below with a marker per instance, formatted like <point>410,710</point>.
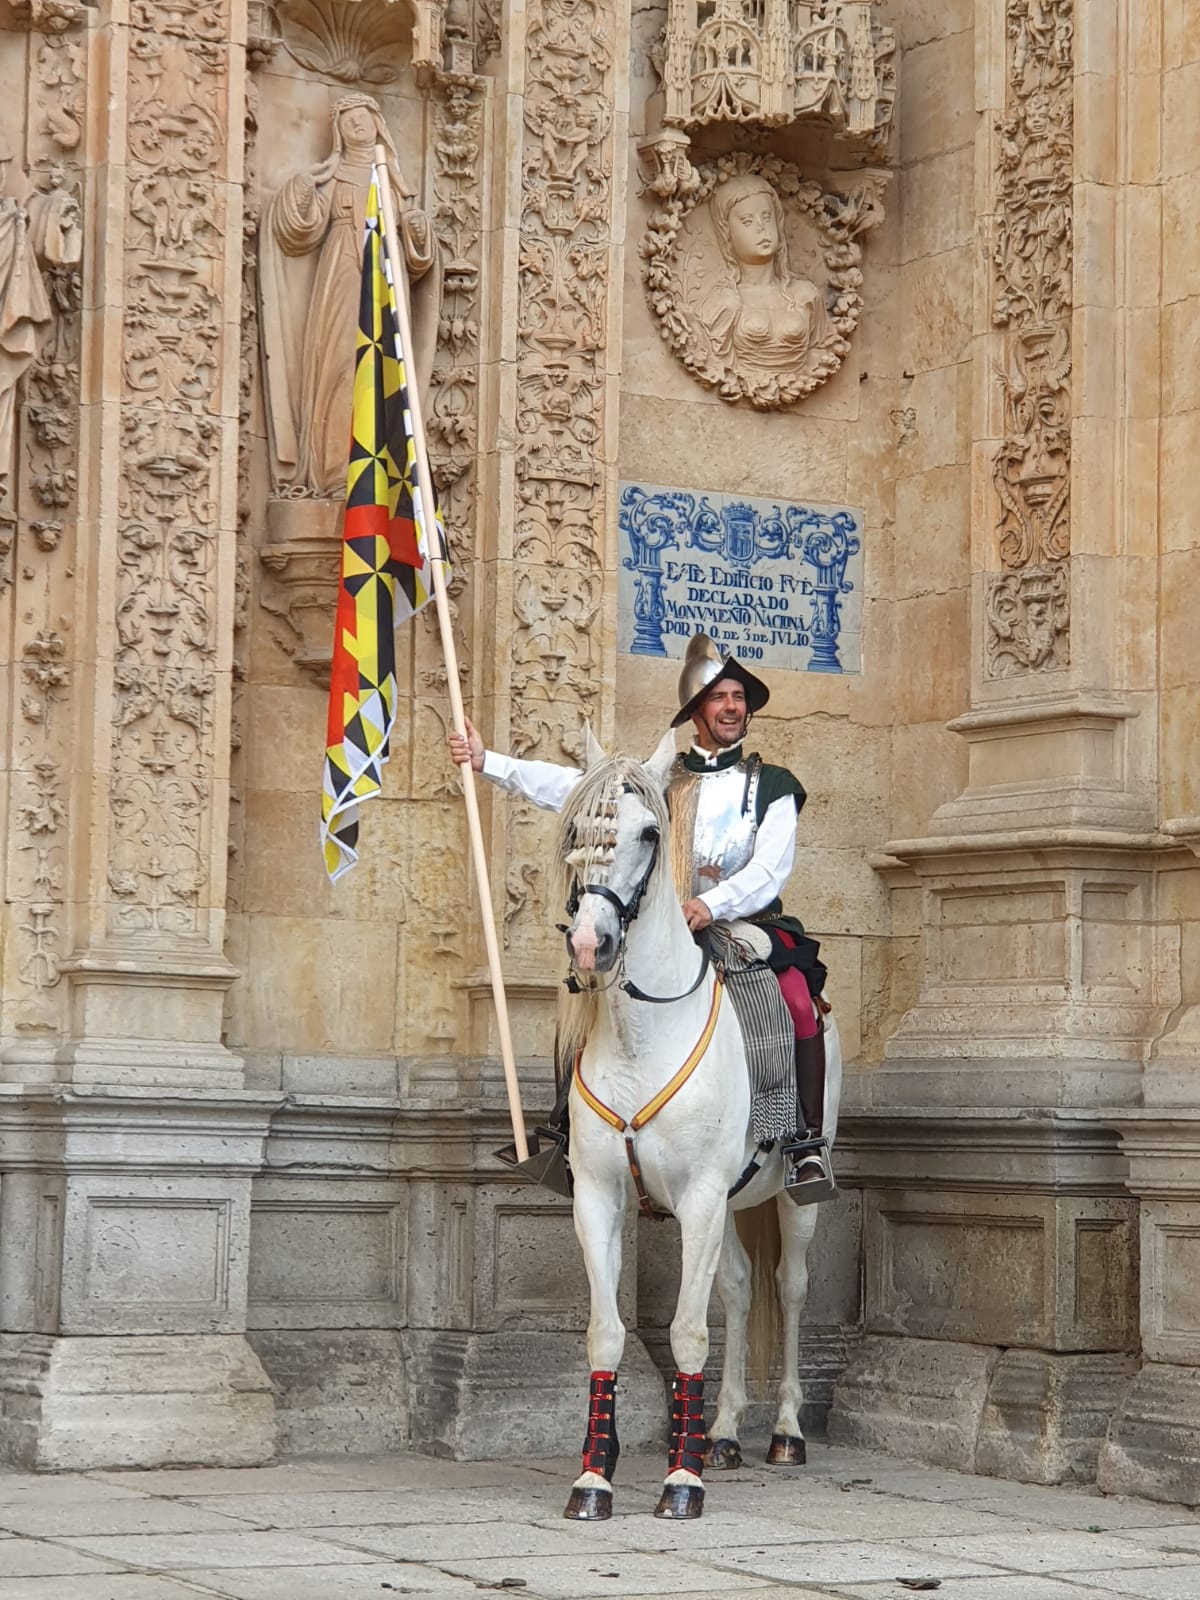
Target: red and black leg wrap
<point>687,1423</point>
<point>601,1446</point>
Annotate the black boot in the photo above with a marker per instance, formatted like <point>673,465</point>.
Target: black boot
<point>808,1175</point>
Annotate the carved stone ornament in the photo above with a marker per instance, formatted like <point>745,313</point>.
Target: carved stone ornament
<point>775,62</point>
<point>754,276</point>
<point>1033,259</point>
<point>50,16</point>
<point>1028,616</point>
<point>362,41</point>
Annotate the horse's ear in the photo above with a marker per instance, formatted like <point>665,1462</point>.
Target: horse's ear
<point>663,759</point>
<point>593,752</point>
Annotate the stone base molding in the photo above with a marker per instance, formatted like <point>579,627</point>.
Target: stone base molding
<point>484,1397</point>
<point>77,1404</point>
<point>1031,1415</point>
<point>1153,1444</point>
<point>1001,1254</point>
<point>337,1391</point>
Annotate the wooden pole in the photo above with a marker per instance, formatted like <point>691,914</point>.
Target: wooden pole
<point>433,543</point>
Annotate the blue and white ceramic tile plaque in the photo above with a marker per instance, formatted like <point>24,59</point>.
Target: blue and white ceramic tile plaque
<point>777,584</point>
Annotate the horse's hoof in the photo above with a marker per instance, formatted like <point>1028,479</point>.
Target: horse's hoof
<point>681,1500</point>
<point>723,1455</point>
<point>589,1505</point>
<point>787,1450</point>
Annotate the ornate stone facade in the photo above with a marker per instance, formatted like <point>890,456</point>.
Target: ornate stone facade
<point>247,1119</point>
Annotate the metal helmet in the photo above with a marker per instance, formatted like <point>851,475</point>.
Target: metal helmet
<point>703,665</point>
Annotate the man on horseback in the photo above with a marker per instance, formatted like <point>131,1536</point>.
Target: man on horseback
<point>733,822</point>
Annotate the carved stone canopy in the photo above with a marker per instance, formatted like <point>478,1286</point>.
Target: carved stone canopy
<point>361,41</point>
<point>753,275</point>
<point>775,62</point>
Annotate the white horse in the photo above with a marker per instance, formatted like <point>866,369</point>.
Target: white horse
<point>660,1107</point>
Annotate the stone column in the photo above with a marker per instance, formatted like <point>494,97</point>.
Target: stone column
<point>1048,971</point>
<point>125,1145</point>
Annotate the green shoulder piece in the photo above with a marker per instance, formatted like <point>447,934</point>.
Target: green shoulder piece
<point>773,784</point>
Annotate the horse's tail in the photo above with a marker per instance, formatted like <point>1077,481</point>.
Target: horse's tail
<point>758,1229</point>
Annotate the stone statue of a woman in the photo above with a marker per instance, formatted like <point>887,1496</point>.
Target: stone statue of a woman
<point>309,339</point>
<point>763,319</point>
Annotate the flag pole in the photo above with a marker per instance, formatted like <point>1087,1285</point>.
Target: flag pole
<point>433,543</point>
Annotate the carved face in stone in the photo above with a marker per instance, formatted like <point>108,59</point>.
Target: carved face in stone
<point>747,218</point>
<point>754,229</point>
<point>358,127</point>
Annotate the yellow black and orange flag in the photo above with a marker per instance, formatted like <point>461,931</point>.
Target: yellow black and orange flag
<point>385,557</point>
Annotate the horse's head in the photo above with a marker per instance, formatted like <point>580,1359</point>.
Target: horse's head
<point>610,841</point>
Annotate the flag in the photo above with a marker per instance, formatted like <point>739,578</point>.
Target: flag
<point>385,557</point>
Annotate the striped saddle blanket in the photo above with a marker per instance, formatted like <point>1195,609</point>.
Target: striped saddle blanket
<point>767,1031</point>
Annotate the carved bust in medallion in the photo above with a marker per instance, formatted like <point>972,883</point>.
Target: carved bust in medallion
<point>753,274</point>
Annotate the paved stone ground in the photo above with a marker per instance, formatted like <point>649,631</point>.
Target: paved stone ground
<point>848,1525</point>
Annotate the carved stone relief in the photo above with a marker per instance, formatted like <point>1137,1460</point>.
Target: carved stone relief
<point>176,244</point>
<point>1028,614</point>
<point>562,329</point>
<point>774,62</point>
<point>1033,259</point>
<point>41,246</point>
<point>310,261</point>
<point>358,43</point>
<point>754,276</point>
<point>309,327</point>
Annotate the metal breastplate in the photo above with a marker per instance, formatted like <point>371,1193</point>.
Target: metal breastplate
<point>719,811</point>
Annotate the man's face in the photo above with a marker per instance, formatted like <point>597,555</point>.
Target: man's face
<point>720,718</point>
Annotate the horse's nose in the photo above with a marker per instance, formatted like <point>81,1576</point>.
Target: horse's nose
<point>606,950</point>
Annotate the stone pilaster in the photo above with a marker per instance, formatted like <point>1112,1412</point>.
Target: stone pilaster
<point>1057,818</point>
<point>155,576</point>
<point>126,1144</point>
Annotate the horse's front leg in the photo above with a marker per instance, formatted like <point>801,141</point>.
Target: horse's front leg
<point>701,1225</point>
<point>733,1281</point>
<point>796,1227</point>
<point>599,1215</point>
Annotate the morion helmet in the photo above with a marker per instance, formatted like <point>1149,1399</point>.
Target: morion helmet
<point>702,666</point>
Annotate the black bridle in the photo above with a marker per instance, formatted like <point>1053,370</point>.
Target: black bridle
<point>626,911</point>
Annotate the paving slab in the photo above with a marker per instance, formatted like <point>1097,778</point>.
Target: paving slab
<point>169,1552</point>
<point>120,1586</point>
<point>1013,1587</point>
<point>33,1558</point>
<point>141,1515</point>
<point>195,1482</point>
<point>1149,1583</point>
<point>621,1573</point>
<point>359,1508</point>
<point>345,1582</point>
<point>21,1488</point>
<point>442,1542</point>
<point>855,1561</point>
<point>1062,1553</point>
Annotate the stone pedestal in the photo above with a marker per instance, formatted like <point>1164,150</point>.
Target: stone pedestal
<point>1153,1444</point>
<point>124,1246</point>
<point>1001,1270</point>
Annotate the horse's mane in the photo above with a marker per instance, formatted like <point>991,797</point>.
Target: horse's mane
<point>584,818</point>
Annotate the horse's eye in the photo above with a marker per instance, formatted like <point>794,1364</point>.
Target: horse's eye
<point>650,834</point>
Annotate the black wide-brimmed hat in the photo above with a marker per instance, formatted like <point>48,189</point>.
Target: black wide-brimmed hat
<point>703,666</point>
